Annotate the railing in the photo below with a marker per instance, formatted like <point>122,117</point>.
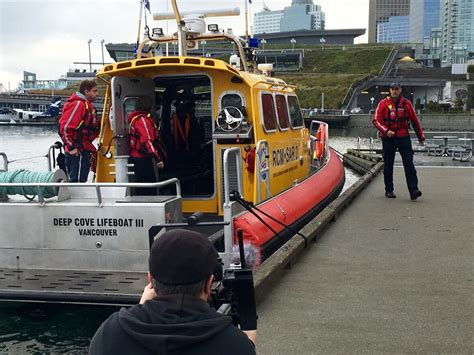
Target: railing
<point>387,65</point>
<point>97,186</point>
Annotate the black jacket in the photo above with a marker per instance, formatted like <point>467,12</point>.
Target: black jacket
<point>170,325</point>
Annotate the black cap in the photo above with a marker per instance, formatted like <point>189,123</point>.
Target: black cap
<point>182,257</point>
<point>396,84</point>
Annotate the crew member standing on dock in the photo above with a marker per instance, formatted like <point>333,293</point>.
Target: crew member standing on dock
<point>392,119</point>
<point>144,145</point>
<point>78,127</point>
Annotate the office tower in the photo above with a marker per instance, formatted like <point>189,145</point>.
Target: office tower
<point>424,15</point>
<point>389,21</point>
<point>457,22</point>
<point>301,15</point>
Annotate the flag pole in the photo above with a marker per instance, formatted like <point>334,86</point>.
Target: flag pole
<point>246,21</point>
<point>139,23</point>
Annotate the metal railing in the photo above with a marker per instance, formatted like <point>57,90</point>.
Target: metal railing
<point>96,186</point>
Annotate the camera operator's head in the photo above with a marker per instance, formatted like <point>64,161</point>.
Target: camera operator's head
<point>182,262</point>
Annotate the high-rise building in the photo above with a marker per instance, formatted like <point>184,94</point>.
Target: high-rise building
<point>457,22</point>
<point>301,15</point>
<point>424,15</point>
<point>380,14</point>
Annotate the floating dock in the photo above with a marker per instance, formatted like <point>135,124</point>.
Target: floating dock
<point>390,276</point>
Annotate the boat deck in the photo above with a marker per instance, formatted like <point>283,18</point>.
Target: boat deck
<point>390,276</point>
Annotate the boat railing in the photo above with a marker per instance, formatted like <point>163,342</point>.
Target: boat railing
<point>63,192</point>
<point>5,161</point>
<point>230,208</point>
<point>238,161</point>
<point>371,144</point>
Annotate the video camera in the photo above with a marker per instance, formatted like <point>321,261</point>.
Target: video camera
<point>234,293</point>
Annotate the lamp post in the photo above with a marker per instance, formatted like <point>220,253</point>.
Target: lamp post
<point>102,48</point>
<point>322,40</point>
<point>90,60</point>
<point>203,43</point>
<point>293,41</point>
<point>263,42</point>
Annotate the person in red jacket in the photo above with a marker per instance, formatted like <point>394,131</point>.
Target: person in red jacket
<point>144,145</point>
<point>392,118</point>
<point>78,127</point>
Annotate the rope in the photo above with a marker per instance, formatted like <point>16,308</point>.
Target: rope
<point>25,176</point>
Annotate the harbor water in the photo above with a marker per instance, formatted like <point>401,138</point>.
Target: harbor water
<point>48,328</point>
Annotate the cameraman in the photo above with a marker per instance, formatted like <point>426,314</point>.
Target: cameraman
<point>174,315</point>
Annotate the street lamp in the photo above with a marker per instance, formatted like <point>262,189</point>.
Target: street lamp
<point>263,42</point>
<point>293,41</point>
<point>203,43</point>
<point>102,48</point>
<point>90,60</point>
<point>322,40</point>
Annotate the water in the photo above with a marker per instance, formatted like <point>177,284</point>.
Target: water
<point>45,328</point>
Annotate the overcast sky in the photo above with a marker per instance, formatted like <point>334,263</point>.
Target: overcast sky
<point>47,36</point>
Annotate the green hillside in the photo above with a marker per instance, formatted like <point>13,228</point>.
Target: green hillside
<point>332,71</point>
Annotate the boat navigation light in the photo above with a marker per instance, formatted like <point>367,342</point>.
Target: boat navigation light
<point>157,31</point>
<point>213,27</point>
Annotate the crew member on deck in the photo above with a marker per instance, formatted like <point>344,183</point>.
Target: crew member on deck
<point>78,127</point>
<point>146,152</point>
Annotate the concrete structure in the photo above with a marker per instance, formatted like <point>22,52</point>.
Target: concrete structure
<point>457,21</point>
<point>301,15</point>
<point>388,277</point>
<point>380,11</point>
<point>75,76</point>
<point>344,36</point>
<point>424,15</point>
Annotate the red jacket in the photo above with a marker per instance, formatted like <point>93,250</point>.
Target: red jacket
<point>395,115</point>
<point>78,125</point>
<point>144,136</point>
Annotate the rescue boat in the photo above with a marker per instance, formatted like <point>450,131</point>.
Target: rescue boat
<point>239,160</point>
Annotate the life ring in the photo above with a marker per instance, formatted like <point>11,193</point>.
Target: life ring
<point>319,144</point>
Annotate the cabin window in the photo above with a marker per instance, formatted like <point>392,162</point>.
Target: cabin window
<point>282,110</point>
<point>269,115</point>
<point>231,99</point>
<point>295,112</point>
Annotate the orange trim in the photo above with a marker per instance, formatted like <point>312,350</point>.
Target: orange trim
<point>178,131</point>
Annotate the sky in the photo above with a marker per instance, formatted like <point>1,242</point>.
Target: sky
<point>46,37</point>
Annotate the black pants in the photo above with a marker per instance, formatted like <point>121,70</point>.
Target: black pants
<point>77,167</point>
<point>390,146</point>
<point>144,170</point>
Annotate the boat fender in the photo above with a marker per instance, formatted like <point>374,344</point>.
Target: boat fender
<point>250,160</point>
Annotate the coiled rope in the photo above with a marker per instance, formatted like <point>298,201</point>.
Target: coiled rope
<point>25,176</point>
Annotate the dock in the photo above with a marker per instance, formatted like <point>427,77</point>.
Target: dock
<point>390,276</point>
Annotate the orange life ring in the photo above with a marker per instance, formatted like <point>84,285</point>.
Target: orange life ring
<point>319,143</point>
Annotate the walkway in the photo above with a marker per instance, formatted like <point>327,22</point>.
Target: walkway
<point>390,276</point>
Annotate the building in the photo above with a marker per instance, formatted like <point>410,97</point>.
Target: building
<point>30,82</point>
<point>267,21</point>
<point>424,15</point>
<point>395,30</point>
<point>75,76</point>
<point>301,15</point>
<point>457,22</point>
<point>380,13</point>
